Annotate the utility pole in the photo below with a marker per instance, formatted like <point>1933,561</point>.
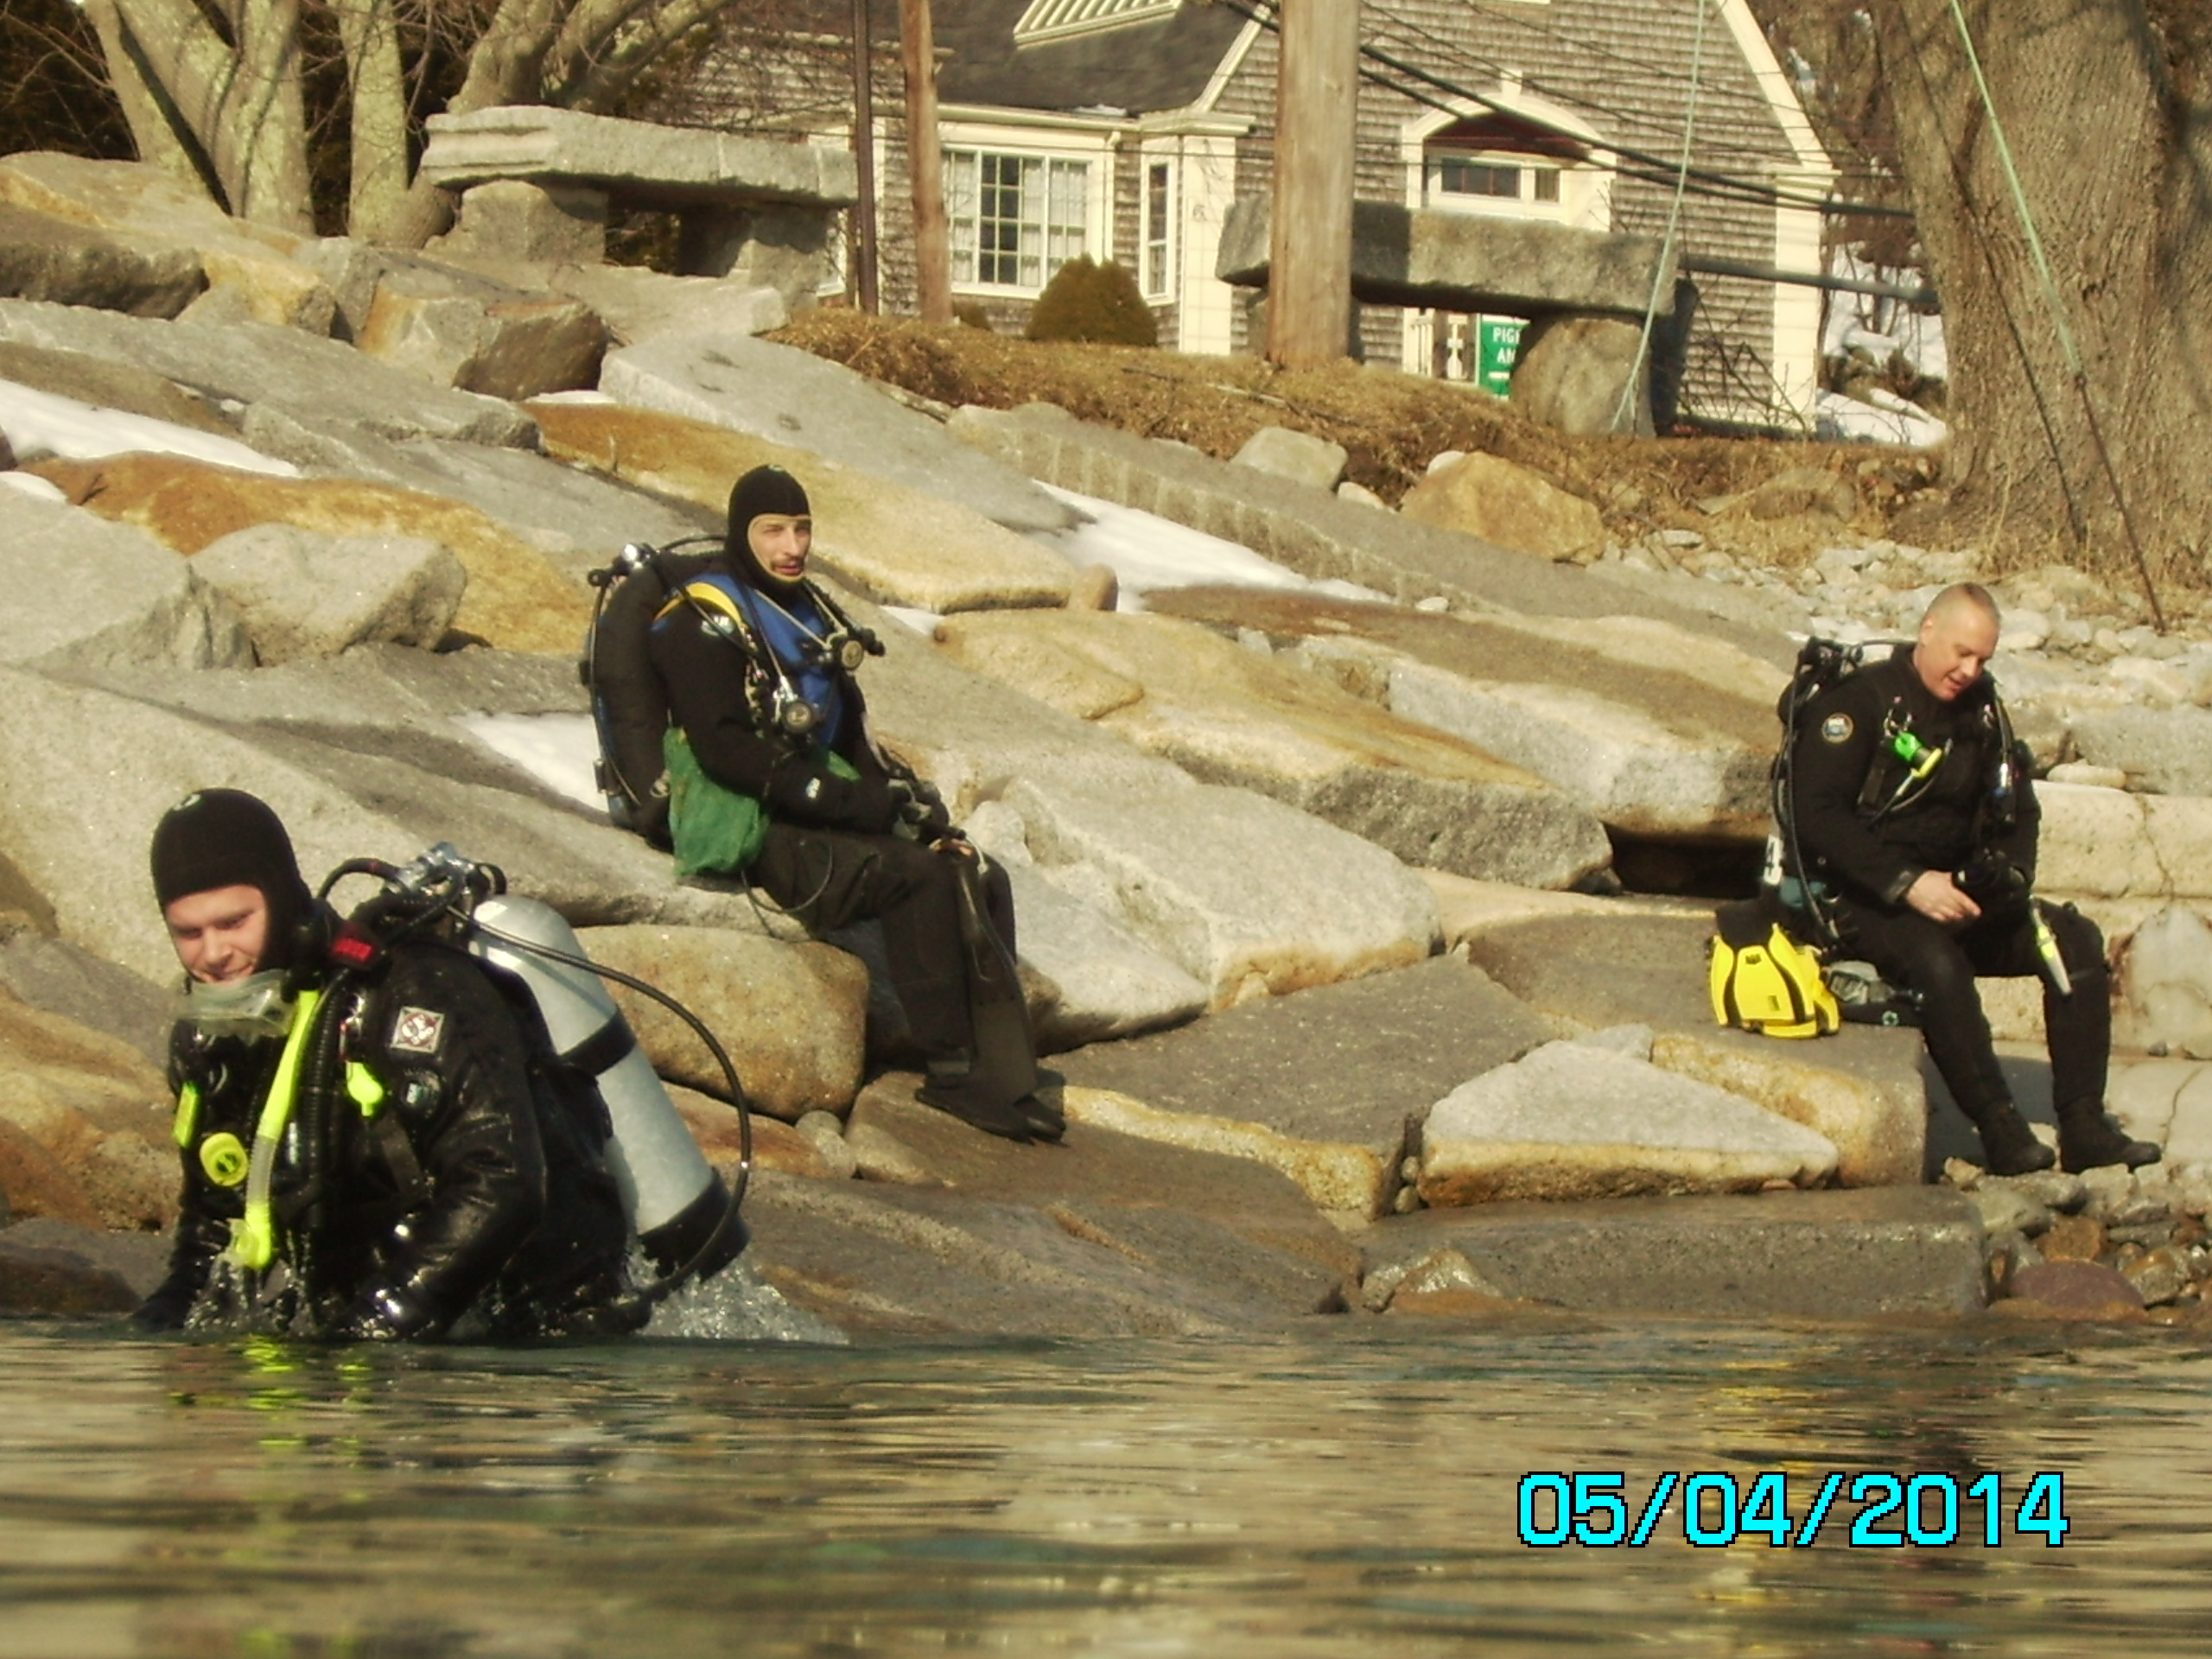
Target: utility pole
<point>1309,256</point>
<point>932,244</point>
<point>864,295</point>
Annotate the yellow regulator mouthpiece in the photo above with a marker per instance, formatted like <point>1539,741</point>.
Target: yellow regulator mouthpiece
<point>224,1157</point>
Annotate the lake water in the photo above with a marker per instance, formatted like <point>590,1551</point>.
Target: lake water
<point>1341,1488</point>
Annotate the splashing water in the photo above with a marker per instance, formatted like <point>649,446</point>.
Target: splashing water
<point>737,1304</point>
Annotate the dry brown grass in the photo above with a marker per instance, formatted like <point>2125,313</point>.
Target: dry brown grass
<point>1390,422</point>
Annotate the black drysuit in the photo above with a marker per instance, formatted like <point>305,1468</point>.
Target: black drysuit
<point>830,857</point>
<point>1867,830</point>
<point>466,1170</point>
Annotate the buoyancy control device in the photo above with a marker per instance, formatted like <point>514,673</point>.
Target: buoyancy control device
<point>629,704</point>
<point>688,1223</point>
<point>630,707</point>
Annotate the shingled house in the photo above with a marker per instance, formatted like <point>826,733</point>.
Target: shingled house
<point>1124,129</point>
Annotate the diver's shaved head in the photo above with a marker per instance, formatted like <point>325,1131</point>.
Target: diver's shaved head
<point>1959,597</point>
<point>1957,635</point>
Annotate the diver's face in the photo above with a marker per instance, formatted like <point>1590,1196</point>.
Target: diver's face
<point>1956,642</point>
<point>781,542</point>
<point>219,934</point>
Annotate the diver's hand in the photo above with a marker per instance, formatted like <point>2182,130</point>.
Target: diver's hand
<point>1935,896</point>
<point>383,1315</point>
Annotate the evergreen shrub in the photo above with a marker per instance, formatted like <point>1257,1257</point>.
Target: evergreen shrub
<point>1089,301</point>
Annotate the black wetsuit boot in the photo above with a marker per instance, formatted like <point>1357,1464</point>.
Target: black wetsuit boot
<point>2088,1138</point>
<point>2008,1146</point>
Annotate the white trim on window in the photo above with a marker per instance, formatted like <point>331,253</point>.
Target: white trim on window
<point>1016,212</point>
<point>1158,218</point>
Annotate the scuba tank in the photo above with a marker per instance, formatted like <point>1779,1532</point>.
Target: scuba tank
<point>687,1221</point>
<point>680,1213</point>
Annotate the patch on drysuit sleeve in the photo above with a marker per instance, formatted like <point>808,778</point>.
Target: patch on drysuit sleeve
<point>1836,728</point>
<point>418,1030</point>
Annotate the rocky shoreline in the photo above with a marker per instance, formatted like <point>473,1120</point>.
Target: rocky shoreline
<point>1318,862</point>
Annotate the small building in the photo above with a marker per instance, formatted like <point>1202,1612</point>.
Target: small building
<point>1125,129</point>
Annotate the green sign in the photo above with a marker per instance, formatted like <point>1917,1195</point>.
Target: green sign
<point>1497,342</point>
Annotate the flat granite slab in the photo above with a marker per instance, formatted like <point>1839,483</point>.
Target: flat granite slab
<point>1862,1087</point>
<point>1829,1255</point>
<point>1350,1064</point>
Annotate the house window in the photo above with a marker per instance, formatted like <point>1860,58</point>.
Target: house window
<point>1014,220</point>
<point>1158,199</point>
<point>1455,175</point>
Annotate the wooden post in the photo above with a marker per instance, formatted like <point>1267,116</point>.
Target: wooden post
<point>933,243</point>
<point>863,221</point>
<point>1309,256</point>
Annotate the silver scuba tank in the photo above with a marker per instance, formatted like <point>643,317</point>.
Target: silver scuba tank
<point>678,1208</point>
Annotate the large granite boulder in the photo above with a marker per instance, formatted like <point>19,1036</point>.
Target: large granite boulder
<point>1506,505</point>
<point>1327,538</point>
<point>1653,729</point>
<point>2162,751</point>
<point>360,755</point>
<point>504,345</point>
<point>1580,1120</point>
<point>1228,715</point>
<point>577,517</point>
<point>1245,895</point>
<point>791,1016</point>
<point>635,305</point>
<point>1250,896</point>
<point>957,1231</point>
<point>1861,1090</point>
<point>115,387</point>
<point>146,208</point>
<point>1330,1085</point>
<point>43,256</point>
<point>1098,980</point>
<point>792,398</point>
<point>86,594</point>
<point>250,364</point>
<point>896,544</point>
<point>303,595</point>
<point>515,598</point>
<point>2105,844</point>
<point>84,1124</point>
<point>1792,1256</point>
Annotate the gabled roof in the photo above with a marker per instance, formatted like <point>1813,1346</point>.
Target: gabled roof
<point>1152,63</point>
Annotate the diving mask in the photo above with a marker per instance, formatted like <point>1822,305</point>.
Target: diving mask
<point>253,1006</point>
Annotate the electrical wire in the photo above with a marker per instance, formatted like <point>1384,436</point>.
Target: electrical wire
<point>1709,182</point>
<point>1674,224</point>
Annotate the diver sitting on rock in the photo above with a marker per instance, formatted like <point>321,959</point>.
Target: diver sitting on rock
<point>771,775</point>
<point>1917,824</point>
<point>373,1146</point>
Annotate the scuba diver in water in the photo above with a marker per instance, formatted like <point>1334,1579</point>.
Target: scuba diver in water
<point>378,1138</point>
<point>768,746</point>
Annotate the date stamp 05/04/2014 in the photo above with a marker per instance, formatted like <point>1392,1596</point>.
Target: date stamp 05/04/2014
<point>1883,1509</point>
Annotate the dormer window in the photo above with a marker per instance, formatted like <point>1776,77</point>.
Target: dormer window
<point>1496,163</point>
<point>1055,19</point>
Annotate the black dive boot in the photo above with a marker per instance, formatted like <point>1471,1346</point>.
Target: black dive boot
<point>2090,1138</point>
<point>2008,1146</point>
<point>975,1100</point>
